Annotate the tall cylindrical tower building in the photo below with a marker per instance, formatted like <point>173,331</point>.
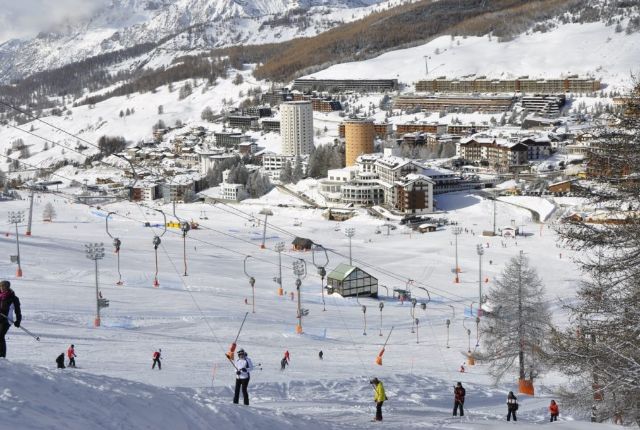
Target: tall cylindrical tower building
<point>359,136</point>
<point>296,128</point>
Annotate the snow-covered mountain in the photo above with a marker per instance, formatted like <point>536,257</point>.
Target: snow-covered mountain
<point>183,25</point>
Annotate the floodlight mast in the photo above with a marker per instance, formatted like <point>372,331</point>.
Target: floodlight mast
<point>350,232</point>
<point>300,271</point>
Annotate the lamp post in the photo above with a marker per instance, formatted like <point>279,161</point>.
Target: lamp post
<point>17,218</point>
<point>364,315</point>
<point>300,271</point>
<point>480,251</point>
<point>381,306</point>
<point>267,213</point>
<point>350,232</point>
<point>417,331</point>
<point>279,247</point>
<point>95,252</point>
<point>456,232</point>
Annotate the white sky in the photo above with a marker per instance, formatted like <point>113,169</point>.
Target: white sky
<point>25,18</point>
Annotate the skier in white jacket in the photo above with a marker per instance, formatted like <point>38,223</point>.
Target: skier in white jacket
<point>244,366</point>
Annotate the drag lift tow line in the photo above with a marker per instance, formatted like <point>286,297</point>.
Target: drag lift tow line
<point>156,243</point>
<point>116,244</point>
<point>321,268</point>
<point>252,283</point>
<point>232,348</point>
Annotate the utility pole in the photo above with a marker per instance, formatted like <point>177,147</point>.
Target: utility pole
<point>95,252</point>
<point>279,247</point>
<point>495,199</point>
<point>350,232</point>
<point>480,251</point>
<point>426,65</point>
<point>267,213</point>
<point>300,271</point>
<point>17,218</point>
<point>28,233</point>
<point>456,232</point>
<point>417,332</point>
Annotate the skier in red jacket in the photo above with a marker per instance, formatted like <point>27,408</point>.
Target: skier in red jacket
<point>156,360</point>
<point>71,354</point>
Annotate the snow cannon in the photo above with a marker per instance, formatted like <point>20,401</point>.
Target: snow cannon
<point>230,355</point>
<point>298,329</point>
<point>525,386</point>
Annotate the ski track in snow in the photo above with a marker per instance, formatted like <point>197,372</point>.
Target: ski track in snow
<point>195,318</point>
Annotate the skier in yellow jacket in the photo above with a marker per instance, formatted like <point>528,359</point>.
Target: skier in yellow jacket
<point>379,397</point>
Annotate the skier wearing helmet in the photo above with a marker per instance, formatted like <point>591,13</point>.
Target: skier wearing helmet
<point>243,366</point>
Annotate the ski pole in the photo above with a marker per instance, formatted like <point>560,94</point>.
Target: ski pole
<point>22,328</point>
<point>232,349</point>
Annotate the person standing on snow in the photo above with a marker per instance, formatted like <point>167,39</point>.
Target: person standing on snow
<point>60,361</point>
<point>71,354</point>
<point>287,357</point>
<point>9,304</point>
<point>512,406</point>
<point>554,410</point>
<point>379,397</point>
<point>283,363</point>
<point>320,355</point>
<point>243,366</point>
<point>458,395</point>
<point>156,360</point>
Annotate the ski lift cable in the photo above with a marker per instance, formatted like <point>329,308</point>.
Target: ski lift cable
<point>186,288</point>
<point>30,115</point>
<point>135,174</point>
<point>72,199</point>
<point>443,293</point>
<point>363,263</point>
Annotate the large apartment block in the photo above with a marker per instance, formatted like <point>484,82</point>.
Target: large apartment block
<point>456,103</point>
<point>296,128</point>
<point>523,84</point>
<point>343,85</point>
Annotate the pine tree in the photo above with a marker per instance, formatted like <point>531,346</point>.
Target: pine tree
<point>518,322</point>
<point>286,174</point>
<point>49,213</point>
<point>297,170</point>
<point>599,349</point>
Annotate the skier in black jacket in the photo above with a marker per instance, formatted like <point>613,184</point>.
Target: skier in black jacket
<point>9,303</point>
